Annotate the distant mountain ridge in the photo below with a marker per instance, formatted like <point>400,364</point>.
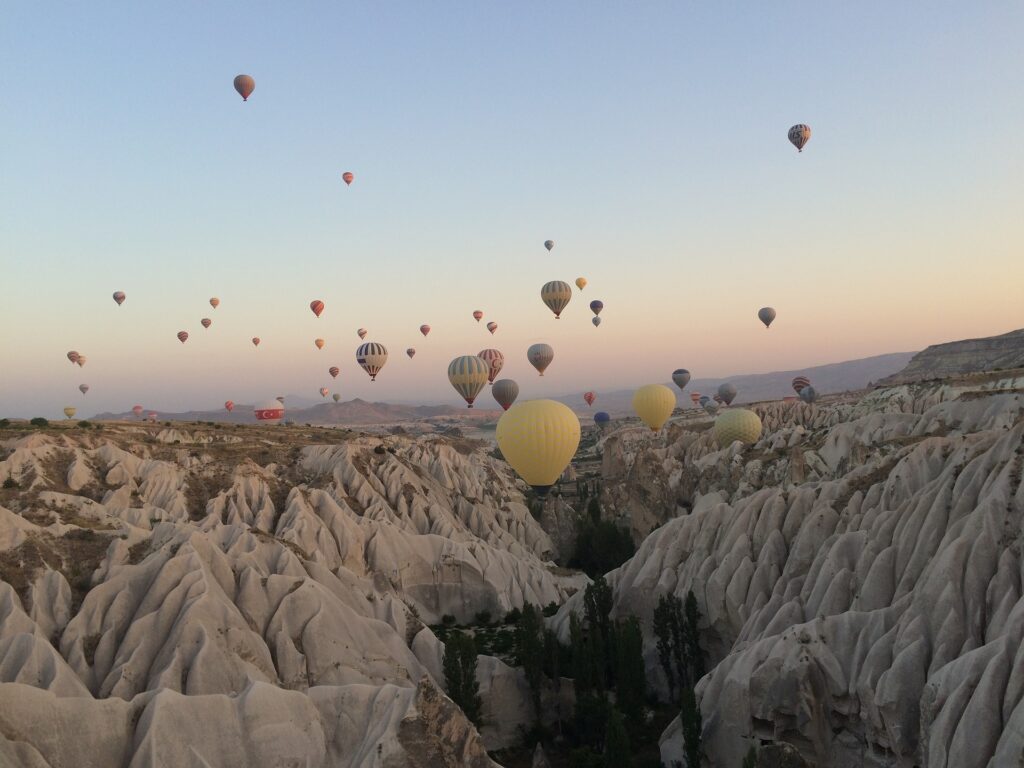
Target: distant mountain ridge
<point>990,353</point>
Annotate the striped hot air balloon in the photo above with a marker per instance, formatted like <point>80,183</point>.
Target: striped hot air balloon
<point>556,295</point>
<point>468,375</point>
<point>799,383</point>
<point>372,357</point>
<point>182,336</point>
<point>695,397</point>
<point>799,135</point>
<point>492,327</point>
<point>206,322</point>
<point>317,307</point>
<point>495,360</point>
<point>334,371</point>
<point>73,356</point>
<point>229,406</point>
<point>589,397</point>
<point>361,333</point>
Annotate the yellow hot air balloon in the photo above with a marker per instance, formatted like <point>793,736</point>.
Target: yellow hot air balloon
<point>581,283</point>
<point>654,404</point>
<point>69,412</point>
<point>538,438</point>
<point>737,424</point>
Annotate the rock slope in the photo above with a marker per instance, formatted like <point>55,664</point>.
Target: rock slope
<point>993,353</point>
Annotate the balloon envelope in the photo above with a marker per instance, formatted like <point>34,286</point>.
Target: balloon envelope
<point>229,406</point>
<point>362,333</point>
<point>653,404</point>
<point>581,283</point>
<point>255,341</point>
<point>206,322</point>
<point>182,336</point>
<point>681,377</point>
<point>737,424</point>
<point>245,85</point>
<point>80,361</point>
<point>809,394</point>
<point>334,371</point>
<point>799,383</point>
<point>538,438</point>
<point>495,360</point>
<point>596,306</point>
<point>540,356</point>
<point>119,297</point>
<point>727,392</point>
<point>596,321</point>
<point>317,306</point>
<point>766,315</point>
<point>492,327</point>
<point>336,397</point>
<point>372,357</point>
<point>477,315</point>
<point>69,411</point>
<point>424,329</point>
<point>589,397</point>
<point>214,302</point>
<point>348,177</point>
<point>324,391</point>
<point>83,388</point>
<point>319,343</point>
<point>549,244</point>
<point>602,419</point>
<point>799,135</point>
<point>137,410</point>
<point>73,356</point>
<point>556,295</point>
<point>269,412</point>
<point>411,352</point>
<point>468,375</point>
<point>505,391</point>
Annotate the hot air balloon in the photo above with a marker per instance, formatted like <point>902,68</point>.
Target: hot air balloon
<point>505,391</point>
<point>83,388</point>
<point>540,356</point>
<point>336,397</point>
<point>737,424</point>
<point>280,399</point>
<point>270,412</point>
<point>589,397</point>
<point>809,394</point>
<point>495,360</point>
<point>255,341</point>
<point>468,375</point>
<point>549,244</point>
<point>581,283</point>
<point>137,410</point>
<point>695,397</point>
<point>538,438</point>
<point>711,408</point>
<point>681,377</point>
<point>492,327</point>
<point>556,295</point>
<point>727,392</point>
<point>653,404</point>
<point>182,336</point>
<point>596,321</point>
<point>411,352</point>
<point>80,361</point>
<point>704,400</point>
<point>362,333</point>
<point>70,411</point>
<point>324,391</point>
<point>799,135</point>
<point>477,315</point>
<point>245,85</point>
<point>73,356</point>
<point>119,297</point>
<point>766,315</point>
<point>602,419</point>
<point>799,383</point>
<point>348,177</point>
<point>372,356</point>
<point>424,329</point>
<point>206,322</point>
<point>152,417</point>
<point>717,398</point>
<point>317,306</point>
<point>214,302</point>
<point>334,371</point>
<point>229,406</point>
<point>319,343</point>
<point>596,306</point>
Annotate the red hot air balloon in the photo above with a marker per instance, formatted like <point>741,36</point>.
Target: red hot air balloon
<point>182,336</point>
<point>411,352</point>
<point>137,410</point>
<point>348,177</point>
<point>152,417</point>
<point>334,371</point>
<point>477,315</point>
<point>317,306</point>
<point>245,85</point>
<point>229,405</point>
<point>492,327</point>
<point>324,391</point>
<point>695,397</point>
<point>590,397</point>
<point>424,329</point>
<point>206,322</point>
<point>255,341</point>
<point>73,356</point>
<point>119,297</point>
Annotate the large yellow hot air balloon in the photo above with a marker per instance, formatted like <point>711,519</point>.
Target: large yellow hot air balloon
<point>737,424</point>
<point>69,412</point>
<point>538,438</point>
<point>654,404</point>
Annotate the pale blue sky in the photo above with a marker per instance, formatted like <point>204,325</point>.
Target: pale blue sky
<point>648,140</point>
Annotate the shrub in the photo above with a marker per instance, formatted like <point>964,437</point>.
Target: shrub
<point>10,482</point>
<point>39,421</point>
<point>483,617</point>
<point>550,609</point>
<point>84,424</point>
<point>512,617</point>
<point>4,423</point>
<point>448,620</point>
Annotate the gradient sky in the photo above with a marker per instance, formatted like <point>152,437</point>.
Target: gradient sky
<point>648,140</point>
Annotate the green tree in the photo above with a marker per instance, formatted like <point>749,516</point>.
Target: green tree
<point>750,761</point>
<point>582,663</point>
<point>616,743</point>
<point>459,665</point>
<point>597,608</point>
<point>690,718</point>
<point>530,653</point>
<point>630,678</point>
<point>691,639</point>
<point>668,623</point>
<point>591,720</point>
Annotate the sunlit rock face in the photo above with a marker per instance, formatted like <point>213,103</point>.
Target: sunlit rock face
<point>252,596</point>
<point>858,570</point>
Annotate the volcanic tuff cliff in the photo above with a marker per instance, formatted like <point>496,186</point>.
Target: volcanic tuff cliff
<point>253,596</point>
<point>993,353</point>
<point>859,572</point>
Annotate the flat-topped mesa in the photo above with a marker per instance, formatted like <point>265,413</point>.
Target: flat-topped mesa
<point>1003,353</point>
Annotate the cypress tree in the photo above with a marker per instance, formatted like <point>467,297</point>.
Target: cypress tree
<point>630,678</point>
<point>690,718</point>
<point>530,643</point>
<point>459,665</point>
<point>616,743</point>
